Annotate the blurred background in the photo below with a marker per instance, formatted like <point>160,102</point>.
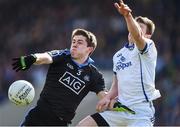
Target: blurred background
<point>30,26</point>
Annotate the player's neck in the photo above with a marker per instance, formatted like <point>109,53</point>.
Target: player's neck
<point>80,60</point>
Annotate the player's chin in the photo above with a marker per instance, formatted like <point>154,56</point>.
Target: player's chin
<point>74,55</point>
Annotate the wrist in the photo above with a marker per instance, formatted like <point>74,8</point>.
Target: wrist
<point>33,57</point>
<point>108,96</point>
<point>128,15</point>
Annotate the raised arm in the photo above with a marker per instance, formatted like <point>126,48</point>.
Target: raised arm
<point>133,27</point>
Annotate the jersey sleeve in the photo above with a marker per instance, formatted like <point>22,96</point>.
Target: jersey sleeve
<point>58,55</point>
<point>98,82</point>
<point>149,50</point>
<point>114,66</point>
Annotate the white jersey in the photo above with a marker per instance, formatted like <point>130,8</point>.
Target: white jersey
<point>135,71</point>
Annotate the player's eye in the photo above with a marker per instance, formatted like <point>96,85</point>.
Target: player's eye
<point>80,42</point>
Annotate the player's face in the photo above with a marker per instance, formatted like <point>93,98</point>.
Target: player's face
<point>79,47</point>
<point>143,28</point>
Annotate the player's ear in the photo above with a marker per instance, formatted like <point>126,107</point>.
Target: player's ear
<point>90,49</point>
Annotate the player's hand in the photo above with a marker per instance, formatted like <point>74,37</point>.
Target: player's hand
<point>23,62</point>
<point>103,104</point>
<point>111,104</point>
<point>122,8</point>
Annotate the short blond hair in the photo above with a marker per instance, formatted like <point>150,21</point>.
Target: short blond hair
<point>90,37</point>
<point>149,23</point>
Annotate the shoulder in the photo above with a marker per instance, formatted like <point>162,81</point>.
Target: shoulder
<point>59,55</point>
<point>54,53</point>
<point>150,50</point>
<point>149,42</point>
<point>94,69</point>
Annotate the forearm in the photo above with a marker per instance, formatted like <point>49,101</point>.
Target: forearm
<point>113,92</point>
<point>133,27</point>
<point>43,58</point>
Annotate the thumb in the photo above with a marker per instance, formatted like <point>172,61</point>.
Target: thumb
<point>116,5</point>
<point>98,106</point>
<point>111,104</point>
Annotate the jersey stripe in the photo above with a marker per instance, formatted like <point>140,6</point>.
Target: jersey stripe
<point>144,92</point>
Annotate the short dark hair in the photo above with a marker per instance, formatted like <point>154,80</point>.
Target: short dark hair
<point>90,37</point>
<point>149,23</point>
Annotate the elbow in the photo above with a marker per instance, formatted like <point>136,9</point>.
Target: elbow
<point>43,61</point>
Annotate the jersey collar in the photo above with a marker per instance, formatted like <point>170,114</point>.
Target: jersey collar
<point>87,62</point>
<point>130,47</point>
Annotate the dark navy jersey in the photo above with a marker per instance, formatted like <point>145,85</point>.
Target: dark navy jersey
<point>67,83</point>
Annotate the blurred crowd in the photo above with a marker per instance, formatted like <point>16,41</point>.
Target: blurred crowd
<point>42,25</point>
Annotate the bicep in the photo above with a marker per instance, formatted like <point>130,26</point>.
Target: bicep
<point>98,84</point>
<point>43,58</point>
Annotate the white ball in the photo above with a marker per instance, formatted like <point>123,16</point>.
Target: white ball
<point>21,92</point>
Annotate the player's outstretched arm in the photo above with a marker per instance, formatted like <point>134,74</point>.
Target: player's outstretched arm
<point>25,62</point>
<point>43,58</point>
<point>133,27</point>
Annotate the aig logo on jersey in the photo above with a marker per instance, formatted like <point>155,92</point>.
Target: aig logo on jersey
<point>72,82</point>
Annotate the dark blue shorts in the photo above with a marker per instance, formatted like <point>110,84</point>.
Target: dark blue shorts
<point>42,117</point>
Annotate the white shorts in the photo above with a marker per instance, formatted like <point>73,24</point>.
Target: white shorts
<point>144,116</point>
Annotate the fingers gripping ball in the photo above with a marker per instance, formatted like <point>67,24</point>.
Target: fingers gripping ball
<point>21,93</point>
